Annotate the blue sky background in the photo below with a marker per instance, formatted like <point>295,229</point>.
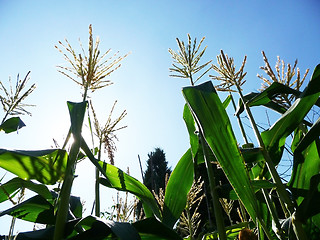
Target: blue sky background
<point>29,30</point>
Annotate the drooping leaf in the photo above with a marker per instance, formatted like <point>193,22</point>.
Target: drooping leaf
<point>36,209</point>
<point>46,166</point>
<point>48,232</point>
<point>274,138</point>
<point>116,178</point>
<point>213,120</point>
<point>121,181</point>
<point>8,189</point>
<point>177,189</point>
<point>12,125</point>
<point>266,97</point>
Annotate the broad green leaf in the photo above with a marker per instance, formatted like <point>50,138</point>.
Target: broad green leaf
<point>121,181</point>
<point>177,189</point>
<point>310,207</point>
<point>12,124</point>
<point>274,138</point>
<point>36,209</point>
<point>306,164</point>
<point>151,229</point>
<point>213,120</point>
<point>46,166</point>
<point>98,228</point>
<point>9,189</point>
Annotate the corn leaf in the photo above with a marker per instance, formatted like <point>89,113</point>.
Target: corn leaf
<point>306,164</point>
<point>274,138</point>
<point>121,181</point>
<point>12,125</point>
<point>46,166</point>
<point>213,120</point>
<point>36,209</point>
<point>266,97</point>
<point>177,189</point>
<point>9,189</point>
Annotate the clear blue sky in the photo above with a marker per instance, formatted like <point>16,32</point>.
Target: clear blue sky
<point>29,30</point>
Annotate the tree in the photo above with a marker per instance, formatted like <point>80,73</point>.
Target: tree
<point>157,169</point>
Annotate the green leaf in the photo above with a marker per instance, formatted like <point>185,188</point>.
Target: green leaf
<point>306,164</point>
<point>177,189</point>
<point>46,166</point>
<point>9,189</point>
<point>227,101</point>
<point>121,181</point>
<point>252,155</point>
<point>36,209</point>
<point>213,120</point>
<point>48,232</point>
<point>12,124</point>
<point>267,96</point>
<point>151,229</point>
<point>310,207</point>
<point>274,138</point>
<point>76,206</point>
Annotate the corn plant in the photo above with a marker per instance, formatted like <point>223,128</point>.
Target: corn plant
<point>37,171</point>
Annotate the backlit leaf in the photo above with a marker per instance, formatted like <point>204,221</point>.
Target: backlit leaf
<point>46,166</point>
<point>213,120</point>
<point>177,189</point>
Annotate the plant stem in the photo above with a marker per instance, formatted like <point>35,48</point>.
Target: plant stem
<point>97,185</point>
<point>63,205</point>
